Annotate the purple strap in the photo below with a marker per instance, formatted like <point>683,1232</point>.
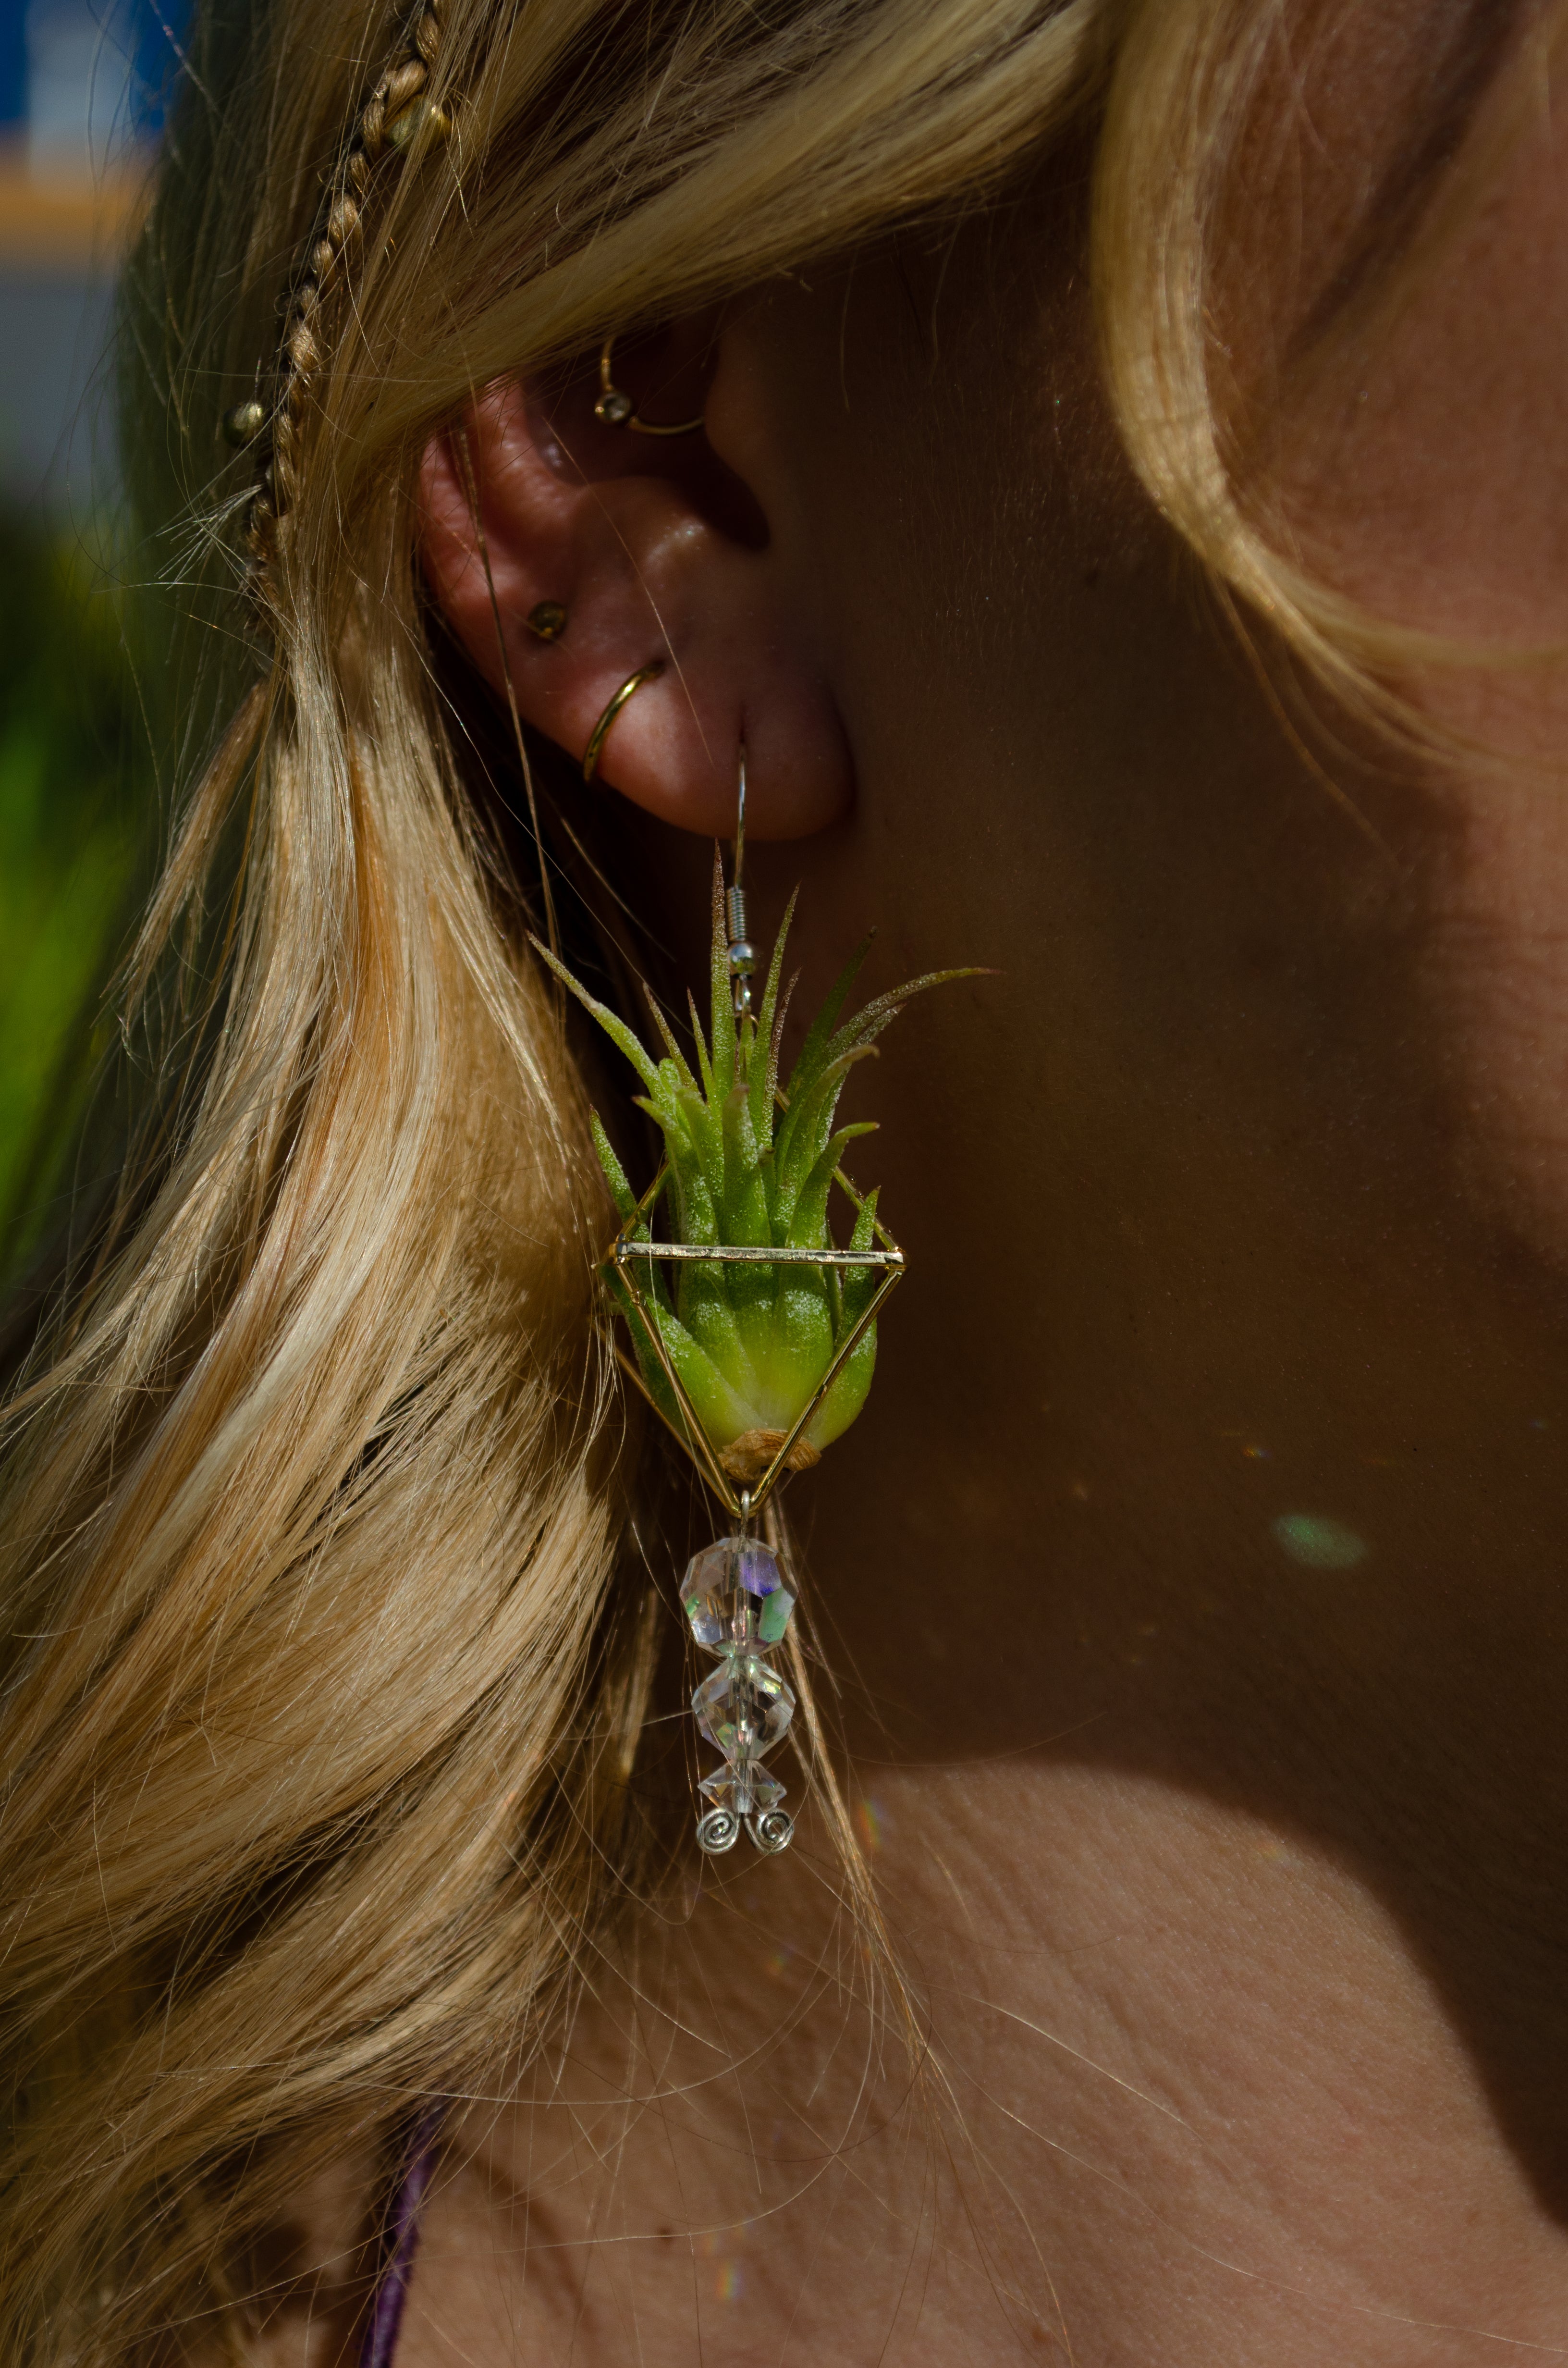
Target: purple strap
<point>402,2243</point>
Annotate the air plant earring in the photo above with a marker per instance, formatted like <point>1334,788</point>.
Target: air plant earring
<point>752,1332</point>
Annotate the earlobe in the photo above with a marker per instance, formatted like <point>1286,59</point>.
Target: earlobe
<point>573,556</point>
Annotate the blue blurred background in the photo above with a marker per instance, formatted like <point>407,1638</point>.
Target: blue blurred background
<point>84,86</point>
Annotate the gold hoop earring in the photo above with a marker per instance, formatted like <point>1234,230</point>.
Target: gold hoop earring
<point>629,690</point>
<point>615,407</point>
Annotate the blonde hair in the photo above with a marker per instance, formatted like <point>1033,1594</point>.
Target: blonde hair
<point>324,1667</point>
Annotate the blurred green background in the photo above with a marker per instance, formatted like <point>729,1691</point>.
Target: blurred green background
<point>74,792</point>
<point>83,85</point>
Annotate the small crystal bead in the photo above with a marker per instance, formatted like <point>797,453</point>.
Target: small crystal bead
<point>773,1616</point>
<point>613,408</point>
<point>744,1708</point>
<point>745,1788</point>
<point>732,1595</point>
<point>739,1608</point>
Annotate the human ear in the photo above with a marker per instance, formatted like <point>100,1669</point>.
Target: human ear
<point>656,549</point>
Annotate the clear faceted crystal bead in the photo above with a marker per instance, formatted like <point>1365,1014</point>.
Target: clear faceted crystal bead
<point>732,1595</point>
<point>744,1708</point>
<point>773,1616</point>
<point>746,1788</point>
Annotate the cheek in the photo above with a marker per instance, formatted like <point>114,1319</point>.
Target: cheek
<point>942,469</point>
<point>1429,478</point>
<point>1426,470</point>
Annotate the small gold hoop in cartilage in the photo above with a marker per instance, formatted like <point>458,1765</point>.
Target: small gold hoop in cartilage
<point>615,407</point>
<point>629,690</point>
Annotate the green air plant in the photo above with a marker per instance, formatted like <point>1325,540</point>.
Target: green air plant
<point>752,1163</point>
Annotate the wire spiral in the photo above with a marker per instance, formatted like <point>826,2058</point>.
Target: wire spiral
<point>771,1830</point>
<point>719,1830</point>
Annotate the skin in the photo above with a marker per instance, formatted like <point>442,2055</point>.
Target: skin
<point>1221,1852</point>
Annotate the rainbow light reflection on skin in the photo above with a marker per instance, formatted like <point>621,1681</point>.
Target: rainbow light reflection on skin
<point>728,2275</point>
<point>1320,1542</point>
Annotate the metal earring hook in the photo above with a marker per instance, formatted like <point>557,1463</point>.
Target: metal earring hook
<point>742,961</point>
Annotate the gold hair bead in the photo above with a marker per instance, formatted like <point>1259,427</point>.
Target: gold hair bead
<point>243,423</point>
<point>629,690</point>
<point>305,346</point>
<point>547,621</point>
<point>421,115</point>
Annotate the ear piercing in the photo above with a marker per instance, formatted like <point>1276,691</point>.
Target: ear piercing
<point>629,690</point>
<point>547,621</point>
<point>615,407</point>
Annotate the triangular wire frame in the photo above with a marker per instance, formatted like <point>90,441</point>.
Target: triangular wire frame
<point>628,1254</point>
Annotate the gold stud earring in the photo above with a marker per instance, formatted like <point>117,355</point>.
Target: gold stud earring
<point>629,690</point>
<point>615,407</point>
<point>546,620</point>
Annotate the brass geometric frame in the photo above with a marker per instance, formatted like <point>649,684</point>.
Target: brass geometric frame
<point>624,1253</point>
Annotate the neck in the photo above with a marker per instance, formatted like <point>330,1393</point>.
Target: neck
<point>1191,1578</point>
<point>1230,2032</point>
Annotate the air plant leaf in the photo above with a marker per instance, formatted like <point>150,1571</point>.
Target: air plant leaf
<point>750,1163</point>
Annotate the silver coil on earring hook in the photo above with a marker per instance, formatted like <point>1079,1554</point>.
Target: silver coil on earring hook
<point>742,957</point>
